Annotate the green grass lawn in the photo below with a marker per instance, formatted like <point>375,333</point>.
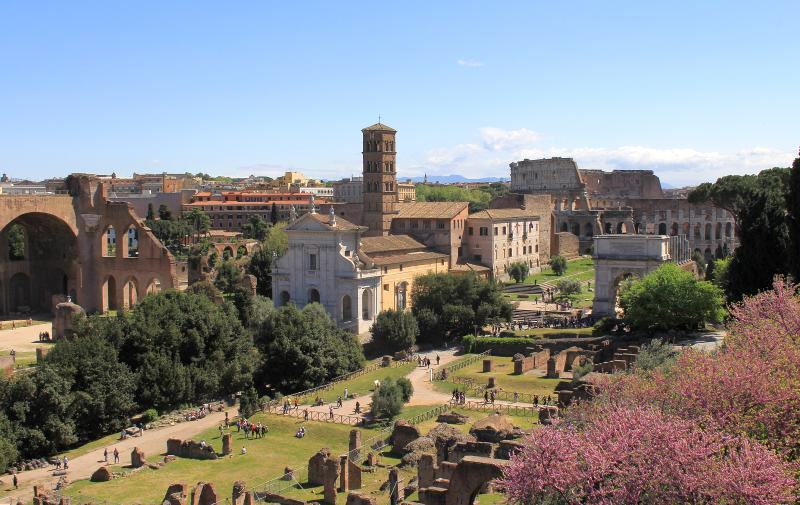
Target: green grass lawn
<point>581,269</point>
<point>265,460</point>
<point>361,385</point>
<point>554,332</point>
<point>503,372</point>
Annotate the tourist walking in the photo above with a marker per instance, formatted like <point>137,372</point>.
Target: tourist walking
<point>105,454</point>
<point>116,456</point>
<point>15,481</point>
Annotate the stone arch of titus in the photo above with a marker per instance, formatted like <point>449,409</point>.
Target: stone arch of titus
<point>617,257</point>
<point>81,245</point>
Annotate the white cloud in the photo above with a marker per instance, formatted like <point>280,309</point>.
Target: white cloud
<point>497,139</point>
<point>469,63</point>
<point>676,166</point>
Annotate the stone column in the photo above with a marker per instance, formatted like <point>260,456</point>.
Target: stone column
<point>394,486</point>
<point>355,444</point>
<point>331,475</point>
<point>426,471</point>
<point>344,474</point>
<point>487,365</point>
<point>552,373</point>
<point>227,444</point>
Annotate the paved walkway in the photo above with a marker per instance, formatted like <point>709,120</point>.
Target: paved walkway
<point>153,443</point>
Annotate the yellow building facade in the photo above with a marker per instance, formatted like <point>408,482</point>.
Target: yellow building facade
<point>401,259</point>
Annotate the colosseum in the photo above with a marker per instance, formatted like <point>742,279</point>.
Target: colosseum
<point>594,202</point>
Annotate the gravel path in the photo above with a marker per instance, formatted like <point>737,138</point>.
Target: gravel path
<point>153,443</point>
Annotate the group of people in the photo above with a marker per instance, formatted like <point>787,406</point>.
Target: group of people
<point>250,428</point>
<point>426,362</point>
<point>44,336</point>
<point>459,397</point>
<point>287,405</point>
<point>545,400</point>
<point>301,432</point>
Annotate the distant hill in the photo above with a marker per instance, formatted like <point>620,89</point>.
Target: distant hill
<point>450,179</point>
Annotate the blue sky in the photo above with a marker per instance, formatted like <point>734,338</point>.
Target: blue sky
<point>691,90</point>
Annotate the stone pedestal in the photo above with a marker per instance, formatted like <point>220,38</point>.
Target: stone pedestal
<point>487,365</point>
<point>552,373</point>
<point>491,383</point>
<point>227,444</point>
<point>344,474</point>
<point>426,470</point>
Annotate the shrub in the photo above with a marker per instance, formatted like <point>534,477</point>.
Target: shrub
<point>558,264</point>
<point>395,330</point>
<point>671,298</point>
<point>149,416</point>
<point>581,370</point>
<point>8,454</point>
<point>518,271</point>
<point>406,387</point>
<point>568,287</point>
<point>249,403</point>
<point>655,354</point>
<point>387,400</point>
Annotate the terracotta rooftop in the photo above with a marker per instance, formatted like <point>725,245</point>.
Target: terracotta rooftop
<point>393,259</point>
<point>505,214</point>
<point>389,243</point>
<point>430,210</point>
<point>379,127</point>
<point>469,267</point>
<point>341,223</point>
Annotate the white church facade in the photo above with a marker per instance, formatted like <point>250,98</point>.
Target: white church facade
<point>322,265</point>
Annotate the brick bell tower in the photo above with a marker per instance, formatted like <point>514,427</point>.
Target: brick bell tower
<point>380,178</point>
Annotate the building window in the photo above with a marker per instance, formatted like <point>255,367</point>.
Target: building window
<point>347,308</point>
<point>470,231</point>
<point>484,231</point>
<point>509,252</point>
<point>401,267</point>
<point>312,261</point>
<point>478,257</point>
<point>495,230</point>
<point>504,230</point>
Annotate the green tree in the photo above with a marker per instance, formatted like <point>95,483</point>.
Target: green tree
<point>518,271</point>
<point>16,242</point>
<point>8,454</point>
<point>151,215</point>
<point>199,222</point>
<point>700,261</point>
<point>387,400</point>
<point>759,205</point>
<point>164,213</point>
<point>273,214</point>
<point>395,330</point>
<point>671,298</point>
<point>558,264</point>
<point>229,276</point>
<point>794,217</point>
<point>721,273</point>
<point>102,387</point>
<point>449,306</point>
<point>304,348</point>
<point>260,264</point>
<point>256,227</point>
<point>249,403</point>
<point>478,198</point>
<point>568,287</point>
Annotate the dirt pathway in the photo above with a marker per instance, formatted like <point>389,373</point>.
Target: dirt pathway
<point>23,339</point>
<point>153,443</point>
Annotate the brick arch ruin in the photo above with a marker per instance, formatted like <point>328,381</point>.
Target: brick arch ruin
<point>68,253</point>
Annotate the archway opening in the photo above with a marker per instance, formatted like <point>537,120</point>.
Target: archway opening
<point>313,295</point>
<point>366,305</point>
<point>662,229</point>
<point>285,298</point>
<point>40,253</point>
<point>347,308</point>
<point>227,253</point>
<point>153,287</point>
<point>241,251</point>
<point>133,242</point>
<point>108,242</point>
<point>110,294</point>
<point>130,293</point>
